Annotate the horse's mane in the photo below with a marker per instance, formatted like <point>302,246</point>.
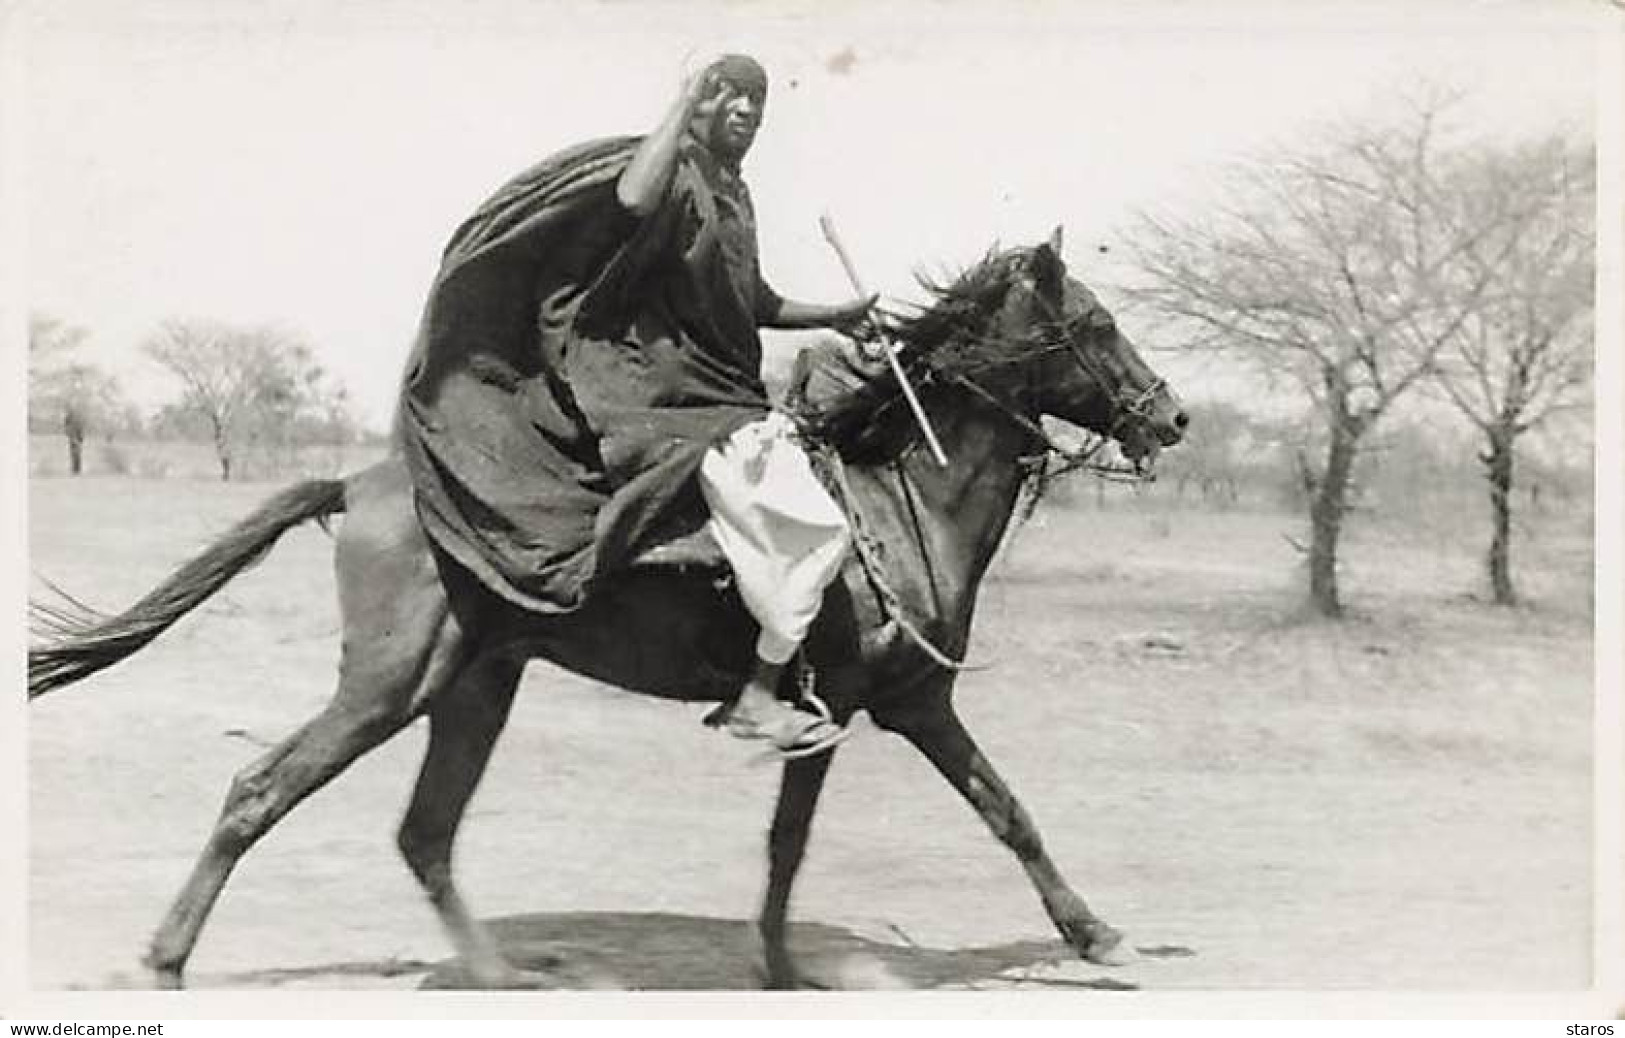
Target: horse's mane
<point>959,307</point>
<point>946,338</point>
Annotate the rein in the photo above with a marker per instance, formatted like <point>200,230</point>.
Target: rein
<point>1073,459</point>
<point>868,551</point>
<point>1055,333</point>
<point>1137,409</point>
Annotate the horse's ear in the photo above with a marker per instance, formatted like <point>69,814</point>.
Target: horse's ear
<point>1048,267</point>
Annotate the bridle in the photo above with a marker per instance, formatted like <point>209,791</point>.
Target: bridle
<point>1040,468</point>
<point>1125,409</point>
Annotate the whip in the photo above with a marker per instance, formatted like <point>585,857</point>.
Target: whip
<point>834,239</point>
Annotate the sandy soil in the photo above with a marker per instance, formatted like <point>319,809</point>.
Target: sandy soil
<point>1262,801</point>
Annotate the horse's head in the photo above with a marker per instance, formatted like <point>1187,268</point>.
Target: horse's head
<point>1018,333</point>
<point>1076,364</point>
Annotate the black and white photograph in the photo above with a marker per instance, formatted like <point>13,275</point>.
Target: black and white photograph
<point>1060,504</point>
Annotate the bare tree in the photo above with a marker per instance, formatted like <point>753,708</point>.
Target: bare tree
<point>242,383</point>
<point>51,341</point>
<point>66,393</point>
<point>1343,270</point>
<point>1525,352</point>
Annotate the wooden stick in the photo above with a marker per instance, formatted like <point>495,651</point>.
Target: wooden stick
<point>834,239</point>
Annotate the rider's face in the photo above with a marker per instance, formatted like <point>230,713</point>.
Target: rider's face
<point>737,115</point>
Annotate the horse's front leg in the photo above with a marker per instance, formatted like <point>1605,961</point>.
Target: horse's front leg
<point>935,729</point>
<point>787,845</point>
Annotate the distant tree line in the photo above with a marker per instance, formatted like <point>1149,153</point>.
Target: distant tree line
<point>241,388</point>
<point>1417,466</point>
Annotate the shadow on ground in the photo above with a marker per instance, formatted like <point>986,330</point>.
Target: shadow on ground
<point>657,951</point>
<point>665,952</point>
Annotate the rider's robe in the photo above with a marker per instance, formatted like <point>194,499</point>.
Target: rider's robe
<point>573,365</point>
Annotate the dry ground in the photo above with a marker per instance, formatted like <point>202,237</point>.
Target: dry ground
<point>1265,801</point>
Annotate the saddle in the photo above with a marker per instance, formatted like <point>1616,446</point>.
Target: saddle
<point>823,372</point>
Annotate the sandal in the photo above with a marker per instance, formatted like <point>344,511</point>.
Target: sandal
<point>793,733</point>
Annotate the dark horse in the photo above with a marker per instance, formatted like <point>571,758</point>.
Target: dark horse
<point>1010,340</point>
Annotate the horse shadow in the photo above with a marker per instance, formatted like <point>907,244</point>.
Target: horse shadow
<point>658,951</point>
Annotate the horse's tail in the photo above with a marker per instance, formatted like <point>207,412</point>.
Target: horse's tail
<point>84,642</point>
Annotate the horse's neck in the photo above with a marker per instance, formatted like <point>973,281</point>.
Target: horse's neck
<point>947,521</point>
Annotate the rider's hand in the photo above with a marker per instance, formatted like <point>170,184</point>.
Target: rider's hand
<point>849,316</point>
<point>703,88</point>
<point>867,345</point>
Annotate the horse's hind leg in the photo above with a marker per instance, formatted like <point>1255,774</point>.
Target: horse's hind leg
<point>360,717</point>
<point>463,727</point>
<point>401,645</point>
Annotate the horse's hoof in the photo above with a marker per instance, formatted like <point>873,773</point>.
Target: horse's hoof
<point>1106,947</point>
<point>780,973</point>
<point>784,977</point>
<point>160,976</point>
<point>1097,942</point>
<point>142,978</point>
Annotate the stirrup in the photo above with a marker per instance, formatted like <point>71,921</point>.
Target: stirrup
<point>811,699</point>
<point>806,682</point>
<point>774,755</point>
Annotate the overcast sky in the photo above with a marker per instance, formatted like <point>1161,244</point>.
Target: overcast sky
<point>304,162</point>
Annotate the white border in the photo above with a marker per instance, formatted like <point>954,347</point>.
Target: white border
<point>1604,999</point>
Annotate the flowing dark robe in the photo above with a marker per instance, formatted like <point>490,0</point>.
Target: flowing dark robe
<point>573,365</point>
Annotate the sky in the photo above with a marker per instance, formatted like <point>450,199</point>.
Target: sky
<point>302,163</point>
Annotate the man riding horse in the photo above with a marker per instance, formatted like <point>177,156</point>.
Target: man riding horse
<point>588,380</point>
<point>585,386</point>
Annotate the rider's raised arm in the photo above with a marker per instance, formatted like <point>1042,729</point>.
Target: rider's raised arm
<point>643,184</point>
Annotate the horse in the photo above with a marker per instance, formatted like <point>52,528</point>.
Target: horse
<point>1011,339</point>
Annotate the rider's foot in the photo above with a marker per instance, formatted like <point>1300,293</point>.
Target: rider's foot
<point>793,732</point>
